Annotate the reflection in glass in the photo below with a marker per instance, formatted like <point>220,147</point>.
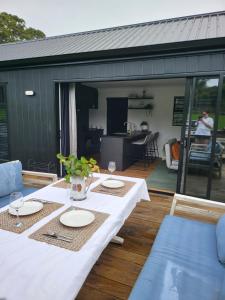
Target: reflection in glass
<point>199,136</point>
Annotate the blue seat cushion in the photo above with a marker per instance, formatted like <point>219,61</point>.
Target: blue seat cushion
<point>11,177</point>
<point>25,191</point>
<point>183,263</point>
<point>220,238</point>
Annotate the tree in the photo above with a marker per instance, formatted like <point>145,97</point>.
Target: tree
<point>13,29</point>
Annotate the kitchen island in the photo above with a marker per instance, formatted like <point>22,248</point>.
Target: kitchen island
<point>119,148</point>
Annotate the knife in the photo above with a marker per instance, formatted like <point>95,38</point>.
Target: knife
<point>57,238</point>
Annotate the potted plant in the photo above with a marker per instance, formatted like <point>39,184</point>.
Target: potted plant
<point>144,126</point>
<point>77,171</point>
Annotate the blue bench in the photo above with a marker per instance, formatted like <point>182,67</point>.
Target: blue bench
<point>11,180</point>
<point>184,263</point>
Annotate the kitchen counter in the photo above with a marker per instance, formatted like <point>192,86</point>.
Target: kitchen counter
<point>119,148</point>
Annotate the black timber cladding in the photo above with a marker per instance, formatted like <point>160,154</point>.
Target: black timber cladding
<point>33,120</point>
<point>205,29</point>
<point>4,145</point>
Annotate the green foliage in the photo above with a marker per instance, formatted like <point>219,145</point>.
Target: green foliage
<point>77,167</point>
<point>13,29</point>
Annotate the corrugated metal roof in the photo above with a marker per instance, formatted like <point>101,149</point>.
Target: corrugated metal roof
<point>182,29</point>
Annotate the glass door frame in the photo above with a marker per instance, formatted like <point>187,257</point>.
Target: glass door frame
<point>190,89</point>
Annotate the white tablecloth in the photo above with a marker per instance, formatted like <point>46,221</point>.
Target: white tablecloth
<point>32,270</point>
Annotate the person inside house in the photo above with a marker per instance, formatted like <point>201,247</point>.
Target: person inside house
<point>204,127</point>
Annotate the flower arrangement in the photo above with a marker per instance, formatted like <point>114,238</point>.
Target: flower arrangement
<point>75,167</point>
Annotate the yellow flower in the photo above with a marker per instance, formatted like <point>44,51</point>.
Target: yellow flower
<point>95,169</point>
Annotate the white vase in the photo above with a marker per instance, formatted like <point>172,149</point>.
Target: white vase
<point>78,190</point>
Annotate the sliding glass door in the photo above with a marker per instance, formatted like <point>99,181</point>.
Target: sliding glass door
<point>203,136</point>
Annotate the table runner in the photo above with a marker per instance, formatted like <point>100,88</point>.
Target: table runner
<point>120,192</point>
<point>64,185</point>
<point>7,221</point>
<point>80,235</point>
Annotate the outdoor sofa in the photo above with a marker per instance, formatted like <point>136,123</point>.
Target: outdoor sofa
<point>14,179</point>
<point>187,260</point>
<point>200,157</point>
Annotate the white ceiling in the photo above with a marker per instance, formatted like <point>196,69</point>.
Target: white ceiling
<point>137,83</point>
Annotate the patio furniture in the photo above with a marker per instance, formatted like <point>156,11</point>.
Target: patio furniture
<point>13,178</point>
<point>171,163</point>
<point>53,272</point>
<point>41,166</point>
<point>200,157</point>
<point>185,259</point>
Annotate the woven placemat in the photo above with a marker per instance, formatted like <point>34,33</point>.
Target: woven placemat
<point>80,235</point>
<point>120,192</point>
<point>7,221</point>
<point>64,185</point>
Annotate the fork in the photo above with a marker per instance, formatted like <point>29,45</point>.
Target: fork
<point>57,237</point>
<point>109,192</point>
<point>52,233</point>
<point>42,201</point>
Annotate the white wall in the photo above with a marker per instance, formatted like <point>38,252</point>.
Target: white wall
<point>160,118</point>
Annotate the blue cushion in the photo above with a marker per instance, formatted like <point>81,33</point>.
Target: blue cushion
<point>11,177</point>
<point>183,263</point>
<point>25,191</point>
<point>205,157</point>
<point>220,238</point>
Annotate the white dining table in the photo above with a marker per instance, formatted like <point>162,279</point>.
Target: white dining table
<point>33,270</point>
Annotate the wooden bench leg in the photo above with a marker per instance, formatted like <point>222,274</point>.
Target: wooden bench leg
<point>117,240</point>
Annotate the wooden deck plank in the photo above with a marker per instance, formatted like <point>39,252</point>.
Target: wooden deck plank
<point>118,267</point>
<point>107,286</point>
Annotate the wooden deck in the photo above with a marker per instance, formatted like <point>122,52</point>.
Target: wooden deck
<point>135,170</point>
<point>116,271</point>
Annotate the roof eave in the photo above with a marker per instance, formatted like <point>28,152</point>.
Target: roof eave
<point>159,49</point>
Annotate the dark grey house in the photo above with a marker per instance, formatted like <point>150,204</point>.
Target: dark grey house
<point>34,74</point>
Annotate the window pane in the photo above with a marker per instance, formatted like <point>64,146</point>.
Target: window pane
<point>199,150</point>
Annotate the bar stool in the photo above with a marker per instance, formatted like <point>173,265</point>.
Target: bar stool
<point>140,150</point>
<point>152,148</point>
<point>156,144</point>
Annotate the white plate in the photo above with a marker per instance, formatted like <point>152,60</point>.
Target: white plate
<point>77,218</point>
<point>28,208</point>
<point>113,183</point>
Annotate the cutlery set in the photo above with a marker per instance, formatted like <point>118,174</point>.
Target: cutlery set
<point>41,200</point>
<point>108,191</point>
<point>58,236</point>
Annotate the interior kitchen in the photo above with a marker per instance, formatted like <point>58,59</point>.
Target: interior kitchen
<point>129,111</point>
